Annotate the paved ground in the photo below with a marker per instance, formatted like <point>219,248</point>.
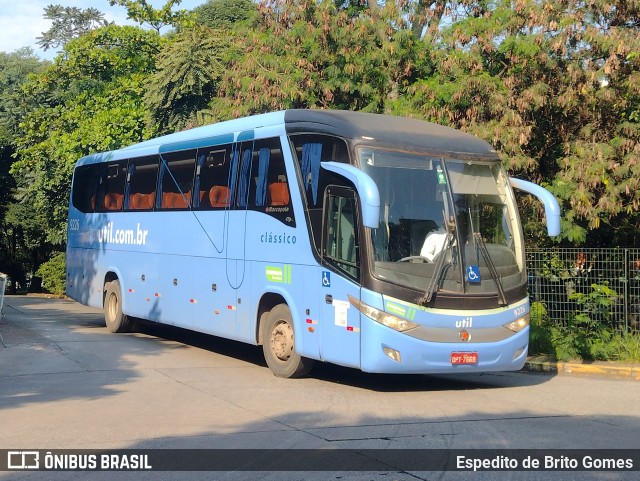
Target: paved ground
<point>65,382</point>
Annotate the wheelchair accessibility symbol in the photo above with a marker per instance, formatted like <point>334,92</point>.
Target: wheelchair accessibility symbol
<point>326,279</point>
<point>473,274</point>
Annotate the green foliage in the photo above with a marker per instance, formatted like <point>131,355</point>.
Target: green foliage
<point>21,234</point>
<point>186,78</point>
<point>595,307</point>
<point>311,54</point>
<point>89,100</point>
<point>226,14</point>
<point>540,330</point>
<point>68,23</point>
<point>625,347</point>
<point>590,328</point>
<point>567,343</point>
<point>588,334</point>
<point>555,93</point>
<point>553,85</point>
<point>14,69</point>
<point>142,11</point>
<point>53,273</point>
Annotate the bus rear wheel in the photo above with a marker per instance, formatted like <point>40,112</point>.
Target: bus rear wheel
<point>279,345</point>
<point>115,320</point>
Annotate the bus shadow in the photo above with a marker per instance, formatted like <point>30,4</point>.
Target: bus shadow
<point>219,345</point>
<point>348,376</point>
<point>425,382</point>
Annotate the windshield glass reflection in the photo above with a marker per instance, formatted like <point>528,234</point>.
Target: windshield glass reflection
<point>445,225</point>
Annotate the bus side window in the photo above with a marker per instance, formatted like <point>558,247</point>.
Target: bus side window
<point>270,192</point>
<point>142,177</point>
<point>310,151</point>
<point>177,179</point>
<point>110,193</point>
<point>212,177</point>
<point>341,231</point>
<point>244,190</point>
<point>85,187</point>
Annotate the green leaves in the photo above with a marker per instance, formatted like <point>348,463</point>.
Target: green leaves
<point>226,14</point>
<point>312,54</point>
<point>554,86</point>
<point>186,77</point>
<point>89,100</point>
<point>69,23</point>
<point>143,12</point>
<point>53,274</point>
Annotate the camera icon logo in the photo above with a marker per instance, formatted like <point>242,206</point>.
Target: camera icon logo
<point>23,460</point>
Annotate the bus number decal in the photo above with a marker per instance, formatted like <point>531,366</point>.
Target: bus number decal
<point>519,311</point>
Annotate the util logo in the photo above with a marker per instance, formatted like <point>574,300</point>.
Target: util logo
<point>466,322</point>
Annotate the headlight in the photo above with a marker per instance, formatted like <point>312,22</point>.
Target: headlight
<point>519,324</point>
<point>383,317</point>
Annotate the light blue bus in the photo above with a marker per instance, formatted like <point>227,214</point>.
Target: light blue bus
<point>385,244</point>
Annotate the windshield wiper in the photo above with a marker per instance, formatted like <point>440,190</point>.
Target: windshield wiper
<point>502,299</point>
<point>432,288</point>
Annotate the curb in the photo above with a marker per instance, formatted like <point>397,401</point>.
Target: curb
<point>600,369</point>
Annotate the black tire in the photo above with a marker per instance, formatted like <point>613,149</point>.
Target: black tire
<point>115,320</point>
<point>279,347</point>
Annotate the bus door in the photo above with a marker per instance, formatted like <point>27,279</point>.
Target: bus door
<point>339,276</point>
<point>236,266</point>
<point>216,306</point>
<point>240,182</point>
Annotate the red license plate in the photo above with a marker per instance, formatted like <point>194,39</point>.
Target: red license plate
<point>458,358</point>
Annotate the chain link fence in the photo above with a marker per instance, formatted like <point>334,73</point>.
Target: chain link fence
<point>556,274</point>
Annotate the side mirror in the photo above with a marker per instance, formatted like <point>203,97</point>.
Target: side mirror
<point>366,187</point>
<point>551,206</point>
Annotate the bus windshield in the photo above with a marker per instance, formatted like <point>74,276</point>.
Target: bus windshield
<point>446,225</point>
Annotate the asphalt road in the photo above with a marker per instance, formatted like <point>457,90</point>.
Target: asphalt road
<point>67,383</point>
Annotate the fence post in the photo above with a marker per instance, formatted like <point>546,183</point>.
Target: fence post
<point>3,284</point>
<point>627,295</point>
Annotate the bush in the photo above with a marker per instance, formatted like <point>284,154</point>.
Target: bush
<point>53,274</point>
<point>540,330</point>
<point>588,333</point>
<point>591,327</point>
<point>625,347</point>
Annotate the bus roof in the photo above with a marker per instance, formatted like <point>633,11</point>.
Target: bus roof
<point>403,132</point>
<point>372,129</point>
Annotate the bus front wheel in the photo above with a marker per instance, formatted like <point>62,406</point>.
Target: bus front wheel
<point>115,320</point>
<point>279,345</point>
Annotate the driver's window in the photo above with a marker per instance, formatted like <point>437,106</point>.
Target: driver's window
<point>341,230</point>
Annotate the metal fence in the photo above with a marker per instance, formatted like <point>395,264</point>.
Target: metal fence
<point>556,274</point>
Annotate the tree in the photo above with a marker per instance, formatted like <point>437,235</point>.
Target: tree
<point>226,14</point>
<point>312,54</point>
<point>69,23</point>
<point>89,100</point>
<point>14,69</point>
<point>185,80</point>
<point>554,86</point>
<point>20,238</point>
<point>142,12</point>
